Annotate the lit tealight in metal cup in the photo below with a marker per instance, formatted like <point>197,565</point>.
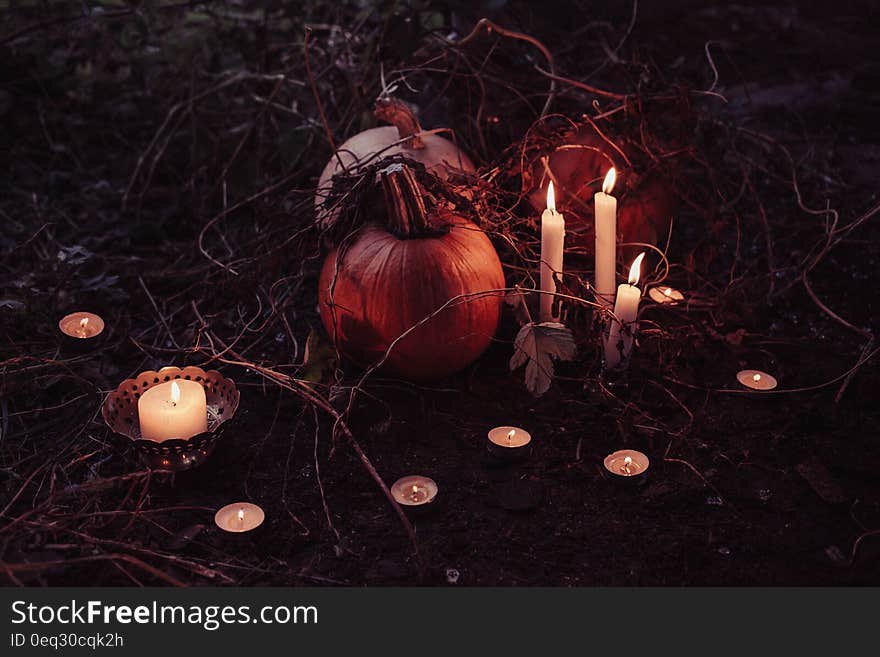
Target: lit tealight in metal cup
<point>628,467</point>
<point>509,443</point>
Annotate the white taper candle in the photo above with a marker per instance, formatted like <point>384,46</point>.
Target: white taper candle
<point>606,240</point>
<point>552,248</point>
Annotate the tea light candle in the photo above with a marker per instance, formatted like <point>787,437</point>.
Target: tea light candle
<point>618,343</point>
<point>414,490</point>
<point>174,409</point>
<point>239,517</point>
<point>509,442</point>
<point>627,463</point>
<point>756,380</point>
<point>552,248</point>
<point>606,240</point>
<point>665,295</point>
<point>81,325</point>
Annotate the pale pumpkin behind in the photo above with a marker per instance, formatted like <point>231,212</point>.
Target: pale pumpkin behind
<point>404,137</point>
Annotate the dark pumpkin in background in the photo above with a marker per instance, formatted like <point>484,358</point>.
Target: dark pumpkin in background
<point>399,270</point>
<point>646,201</point>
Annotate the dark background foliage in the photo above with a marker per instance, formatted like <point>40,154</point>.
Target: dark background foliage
<point>158,165</point>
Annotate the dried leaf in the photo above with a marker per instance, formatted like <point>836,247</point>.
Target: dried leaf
<point>537,346</point>
<point>319,359</point>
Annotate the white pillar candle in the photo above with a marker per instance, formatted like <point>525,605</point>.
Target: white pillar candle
<point>175,409</point>
<point>618,344</point>
<point>606,240</point>
<point>552,247</point>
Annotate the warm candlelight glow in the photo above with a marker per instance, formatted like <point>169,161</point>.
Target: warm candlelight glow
<point>551,198</point>
<point>239,517</point>
<point>174,409</point>
<point>509,442</point>
<point>667,291</point>
<point>415,490</point>
<point>81,325</point>
<point>634,270</point>
<point>552,255</point>
<point>626,463</point>
<point>610,179</point>
<point>756,380</point>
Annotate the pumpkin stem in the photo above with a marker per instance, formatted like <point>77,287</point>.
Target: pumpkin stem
<point>407,214</point>
<point>399,114</point>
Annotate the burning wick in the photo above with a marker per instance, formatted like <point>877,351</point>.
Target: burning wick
<point>240,517</point>
<point>756,378</point>
<point>415,493</point>
<point>511,434</point>
<point>627,462</point>
<point>610,179</point>
<point>667,292</point>
<point>175,397</point>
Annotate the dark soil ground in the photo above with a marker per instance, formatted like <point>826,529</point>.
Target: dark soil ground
<point>125,132</point>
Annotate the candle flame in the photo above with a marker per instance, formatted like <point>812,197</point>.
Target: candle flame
<point>634,270</point>
<point>511,434</point>
<point>241,515</point>
<point>627,462</point>
<point>668,291</point>
<point>756,378</point>
<point>83,322</point>
<point>175,392</point>
<point>551,198</point>
<point>610,179</point>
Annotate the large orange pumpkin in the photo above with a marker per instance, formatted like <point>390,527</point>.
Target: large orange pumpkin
<point>398,273</point>
<point>404,136</point>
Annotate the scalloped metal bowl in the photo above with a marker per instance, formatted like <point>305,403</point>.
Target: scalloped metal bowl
<point>121,415</point>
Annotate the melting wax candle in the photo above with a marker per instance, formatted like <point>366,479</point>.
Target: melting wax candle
<point>618,343</point>
<point>756,379</point>
<point>414,490</point>
<point>174,409</point>
<point>239,517</point>
<point>665,295</point>
<point>509,442</point>
<point>81,325</point>
<point>606,240</point>
<point>552,248</point>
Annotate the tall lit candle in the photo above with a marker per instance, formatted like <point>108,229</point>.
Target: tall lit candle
<point>175,409</point>
<point>552,247</point>
<point>606,240</point>
<point>618,344</point>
